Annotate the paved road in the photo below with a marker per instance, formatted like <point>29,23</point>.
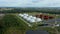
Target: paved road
<point>52,21</point>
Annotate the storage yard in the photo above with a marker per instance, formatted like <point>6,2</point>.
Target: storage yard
<point>39,18</point>
<point>30,18</point>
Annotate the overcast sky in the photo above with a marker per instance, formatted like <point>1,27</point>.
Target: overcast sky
<point>29,3</point>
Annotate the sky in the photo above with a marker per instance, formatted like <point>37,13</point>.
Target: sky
<point>29,3</point>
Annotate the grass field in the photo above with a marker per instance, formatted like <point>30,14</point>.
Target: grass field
<point>58,28</point>
<point>12,23</point>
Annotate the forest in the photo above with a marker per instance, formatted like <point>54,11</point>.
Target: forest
<point>42,10</point>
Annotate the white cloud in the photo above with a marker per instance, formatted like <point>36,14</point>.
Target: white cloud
<point>30,3</point>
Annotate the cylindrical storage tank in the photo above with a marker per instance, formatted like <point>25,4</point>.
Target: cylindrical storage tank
<point>25,17</point>
<point>21,15</point>
<point>30,16</point>
<point>32,20</point>
<point>38,19</point>
<point>28,19</point>
<point>25,14</point>
<point>57,25</point>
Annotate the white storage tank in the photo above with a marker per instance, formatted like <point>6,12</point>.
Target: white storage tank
<point>32,20</point>
<point>25,17</point>
<point>21,15</point>
<point>28,18</point>
<point>25,14</point>
<point>57,25</point>
<point>38,19</point>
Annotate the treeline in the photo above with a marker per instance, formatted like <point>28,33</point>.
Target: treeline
<point>18,10</point>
